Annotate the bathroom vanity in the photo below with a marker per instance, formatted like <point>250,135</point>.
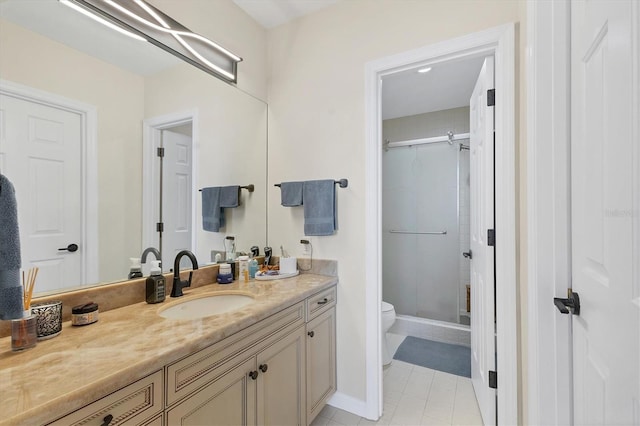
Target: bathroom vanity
<point>270,362</point>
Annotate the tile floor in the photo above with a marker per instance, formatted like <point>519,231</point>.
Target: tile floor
<point>415,395</point>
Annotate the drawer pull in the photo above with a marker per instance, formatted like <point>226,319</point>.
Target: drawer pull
<point>263,368</point>
<point>323,301</point>
<point>107,419</point>
<point>311,333</point>
<point>253,375</point>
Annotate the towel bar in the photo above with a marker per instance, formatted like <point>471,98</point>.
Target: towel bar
<point>249,188</point>
<point>393,231</point>
<point>342,182</point>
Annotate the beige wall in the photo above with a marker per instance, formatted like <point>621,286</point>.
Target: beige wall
<point>32,60</point>
<point>317,126</point>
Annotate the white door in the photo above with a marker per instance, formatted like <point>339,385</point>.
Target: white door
<point>605,216</point>
<point>483,349</point>
<point>40,152</point>
<point>176,205</point>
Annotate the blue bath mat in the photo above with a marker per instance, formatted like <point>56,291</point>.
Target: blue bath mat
<point>454,359</point>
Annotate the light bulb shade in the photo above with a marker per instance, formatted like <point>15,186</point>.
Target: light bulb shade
<point>141,18</point>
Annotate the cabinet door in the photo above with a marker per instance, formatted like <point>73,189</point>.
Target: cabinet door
<point>281,383</point>
<point>229,400</point>
<point>321,362</point>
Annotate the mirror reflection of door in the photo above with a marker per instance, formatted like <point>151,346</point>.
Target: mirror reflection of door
<point>175,207</point>
<point>40,153</point>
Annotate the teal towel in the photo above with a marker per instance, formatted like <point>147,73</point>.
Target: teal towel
<point>11,303</point>
<point>291,194</point>
<point>230,196</point>
<point>212,213</point>
<point>319,201</point>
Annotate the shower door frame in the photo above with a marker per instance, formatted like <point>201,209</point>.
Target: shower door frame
<point>500,42</point>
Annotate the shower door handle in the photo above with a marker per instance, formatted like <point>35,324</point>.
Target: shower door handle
<point>468,254</point>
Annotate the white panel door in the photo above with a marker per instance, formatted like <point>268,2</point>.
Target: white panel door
<point>176,208</point>
<point>483,349</point>
<point>41,151</point>
<point>605,199</point>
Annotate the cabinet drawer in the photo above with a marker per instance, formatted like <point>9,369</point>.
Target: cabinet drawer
<point>190,373</point>
<point>131,405</point>
<point>321,302</point>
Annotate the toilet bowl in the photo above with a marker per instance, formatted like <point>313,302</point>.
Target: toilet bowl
<point>388,318</point>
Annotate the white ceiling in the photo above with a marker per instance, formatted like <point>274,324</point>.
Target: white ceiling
<point>271,13</point>
<point>53,20</point>
<point>448,85</point>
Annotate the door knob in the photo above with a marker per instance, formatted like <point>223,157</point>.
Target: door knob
<point>468,254</point>
<point>572,302</point>
<point>70,248</point>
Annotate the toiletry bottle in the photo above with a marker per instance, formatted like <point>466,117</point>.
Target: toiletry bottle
<point>156,292</point>
<point>136,268</point>
<point>253,267</point>
<point>243,265</point>
<point>230,247</point>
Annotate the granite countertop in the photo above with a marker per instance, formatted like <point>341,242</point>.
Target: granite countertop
<point>85,363</point>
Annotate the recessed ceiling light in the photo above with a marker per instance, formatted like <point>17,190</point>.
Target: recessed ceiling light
<point>424,70</point>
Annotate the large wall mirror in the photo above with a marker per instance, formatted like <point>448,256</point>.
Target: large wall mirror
<point>119,99</point>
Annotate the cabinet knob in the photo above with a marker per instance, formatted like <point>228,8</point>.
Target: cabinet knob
<point>311,334</point>
<point>253,375</point>
<point>107,419</point>
<point>263,368</point>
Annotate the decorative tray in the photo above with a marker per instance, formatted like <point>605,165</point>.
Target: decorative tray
<point>262,276</point>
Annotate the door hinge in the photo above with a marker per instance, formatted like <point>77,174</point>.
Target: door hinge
<point>493,379</point>
<point>161,152</point>
<point>491,237</point>
<point>491,97</point>
<point>159,227</point>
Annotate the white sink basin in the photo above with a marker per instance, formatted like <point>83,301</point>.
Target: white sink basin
<point>205,306</point>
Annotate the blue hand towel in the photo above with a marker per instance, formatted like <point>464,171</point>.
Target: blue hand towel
<point>212,213</point>
<point>11,303</point>
<point>230,196</point>
<point>319,200</point>
<point>291,194</point>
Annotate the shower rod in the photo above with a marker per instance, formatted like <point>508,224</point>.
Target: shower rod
<point>393,231</point>
<point>450,137</point>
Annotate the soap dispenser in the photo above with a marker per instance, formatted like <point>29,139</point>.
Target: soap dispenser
<point>156,284</point>
<point>136,268</point>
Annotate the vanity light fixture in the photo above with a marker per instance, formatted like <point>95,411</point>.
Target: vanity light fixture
<point>139,18</point>
<point>424,70</point>
<point>103,21</point>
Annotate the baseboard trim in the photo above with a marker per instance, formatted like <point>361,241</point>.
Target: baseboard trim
<point>349,403</point>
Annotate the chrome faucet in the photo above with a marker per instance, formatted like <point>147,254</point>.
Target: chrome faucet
<point>176,290</point>
<point>145,253</point>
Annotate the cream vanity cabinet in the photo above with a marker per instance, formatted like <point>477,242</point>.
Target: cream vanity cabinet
<point>279,371</point>
<point>260,375</point>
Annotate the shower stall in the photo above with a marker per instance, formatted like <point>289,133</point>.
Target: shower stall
<point>425,223</point>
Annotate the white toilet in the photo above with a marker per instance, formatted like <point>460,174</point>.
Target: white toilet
<point>388,318</point>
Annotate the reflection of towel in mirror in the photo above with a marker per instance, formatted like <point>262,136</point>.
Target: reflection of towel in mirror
<point>214,200</point>
<point>291,194</point>
<point>319,200</point>
<point>230,196</point>
<point>11,304</point>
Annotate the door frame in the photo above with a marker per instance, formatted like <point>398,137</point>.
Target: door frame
<point>151,128</point>
<point>500,42</point>
<point>89,169</point>
<point>549,380</point>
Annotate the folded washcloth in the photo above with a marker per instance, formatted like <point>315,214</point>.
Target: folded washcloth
<point>11,302</point>
<point>212,213</point>
<point>230,196</point>
<point>319,200</point>
<point>291,194</point>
